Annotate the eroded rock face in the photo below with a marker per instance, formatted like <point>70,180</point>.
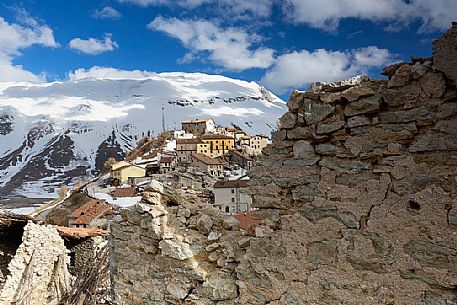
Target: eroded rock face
<point>357,197</point>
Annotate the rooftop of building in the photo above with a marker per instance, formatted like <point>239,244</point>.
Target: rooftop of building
<point>196,121</point>
<point>246,221</point>
<point>207,160</point>
<point>90,211</point>
<point>231,184</point>
<point>124,192</point>
<point>216,137</point>
<point>189,141</point>
<point>166,159</point>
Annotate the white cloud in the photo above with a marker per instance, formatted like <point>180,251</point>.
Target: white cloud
<point>106,13</point>
<point>434,15</point>
<point>297,69</point>
<point>93,46</point>
<point>231,48</point>
<point>261,8</point>
<point>17,36</point>
<point>108,73</point>
<point>181,3</point>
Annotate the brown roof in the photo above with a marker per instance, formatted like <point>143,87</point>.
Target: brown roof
<point>166,159</point>
<point>80,232</point>
<point>231,184</point>
<point>246,157</point>
<point>188,141</point>
<point>216,137</point>
<point>124,192</point>
<point>246,221</point>
<point>89,211</point>
<point>207,160</point>
<point>195,121</point>
<point>245,138</point>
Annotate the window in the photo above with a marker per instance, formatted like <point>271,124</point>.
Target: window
<point>233,200</point>
<point>233,191</point>
<point>227,209</point>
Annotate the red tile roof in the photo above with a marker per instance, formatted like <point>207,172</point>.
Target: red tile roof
<point>246,221</point>
<point>124,192</point>
<point>90,211</point>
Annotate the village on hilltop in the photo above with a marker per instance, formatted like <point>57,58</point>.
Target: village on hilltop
<point>202,159</point>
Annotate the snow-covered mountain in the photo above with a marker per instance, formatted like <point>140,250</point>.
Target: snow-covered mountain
<point>51,133</point>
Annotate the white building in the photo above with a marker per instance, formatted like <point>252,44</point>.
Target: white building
<point>232,196</point>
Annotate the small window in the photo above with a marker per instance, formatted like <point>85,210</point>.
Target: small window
<point>233,200</point>
<point>233,191</point>
<point>227,209</point>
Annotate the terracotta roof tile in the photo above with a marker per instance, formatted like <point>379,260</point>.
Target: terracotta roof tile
<point>246,221</point>
<point>89,211</point>
<point>124,192</point>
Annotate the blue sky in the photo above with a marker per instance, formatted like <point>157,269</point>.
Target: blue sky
<point>281,44</point>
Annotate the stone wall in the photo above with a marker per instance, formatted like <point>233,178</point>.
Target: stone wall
<point>38,272</point>
<point>169,251</point>
<point>359,192</point>
<point>357,197</point>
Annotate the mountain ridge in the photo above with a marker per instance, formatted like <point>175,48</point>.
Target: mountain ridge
<point>53,133</point>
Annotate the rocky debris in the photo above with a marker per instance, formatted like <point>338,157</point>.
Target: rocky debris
<point>172,253</point>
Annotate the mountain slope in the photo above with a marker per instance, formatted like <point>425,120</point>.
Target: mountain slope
<point>51,133</point>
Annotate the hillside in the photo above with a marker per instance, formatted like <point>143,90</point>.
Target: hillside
<point>53,133</point>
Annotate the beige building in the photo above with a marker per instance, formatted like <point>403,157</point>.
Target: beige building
<point>213,167</point>
<point>216,145</point>
<point>232,196</point>
<point>122,171</point>
<point>198,127</point>
<point>185,148</point>
<point>259,142</point>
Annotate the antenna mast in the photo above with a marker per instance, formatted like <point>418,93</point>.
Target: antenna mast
<point>163,119</point>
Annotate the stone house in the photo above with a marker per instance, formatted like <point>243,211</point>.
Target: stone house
<point>231,196</point>
<point>185,148</point>
<point>122,171</point>
<point>242,159</point>
<point>167,163</point>
<point>90,215</point>
<point>199,126</point>
<point>213,167</point>
<point>216,145</point>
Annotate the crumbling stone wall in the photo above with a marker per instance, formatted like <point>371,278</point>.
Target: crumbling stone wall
<point>357,197</point>
<point>38,272</point>
<point>359,190</point>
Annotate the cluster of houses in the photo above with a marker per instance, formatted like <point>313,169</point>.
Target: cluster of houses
<point>202,146</point>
